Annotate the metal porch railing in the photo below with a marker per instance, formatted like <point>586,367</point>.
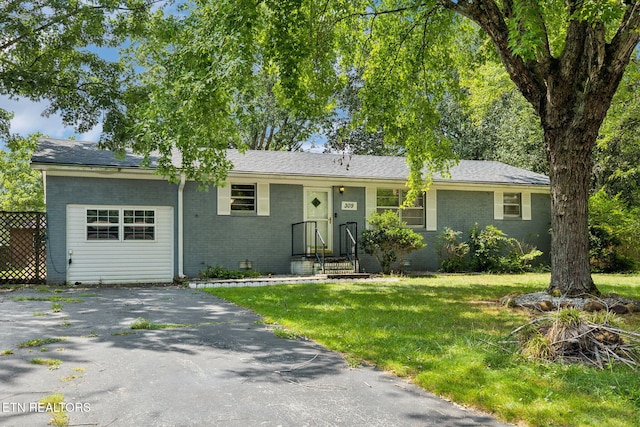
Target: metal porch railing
<point>349,243</point>
<point>306,240</point>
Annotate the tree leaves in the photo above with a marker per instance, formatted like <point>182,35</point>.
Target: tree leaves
<point>21,188</point>
<point>48,53</point>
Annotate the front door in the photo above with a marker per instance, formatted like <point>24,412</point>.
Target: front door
<point>317,207</point>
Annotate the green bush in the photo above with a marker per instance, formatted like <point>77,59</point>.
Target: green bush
<point>224,274</point>
<point>486,247</point>
<point>452,253</point>
<point>614,230</point>
<point>388,239</point>
<point>488,250</point>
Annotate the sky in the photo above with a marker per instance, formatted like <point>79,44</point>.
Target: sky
<point>28,119</point>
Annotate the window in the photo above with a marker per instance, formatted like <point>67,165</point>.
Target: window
<point>103,224</point>
<point>512,205</point>
<point>139,224</point>
<point>136,224</point>
<point>243,197</point>
<point>393,198</point>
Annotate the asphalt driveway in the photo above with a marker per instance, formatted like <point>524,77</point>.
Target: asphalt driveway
<point>223,368</point>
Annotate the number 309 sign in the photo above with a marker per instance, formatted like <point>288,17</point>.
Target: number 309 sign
<point>349,206</point>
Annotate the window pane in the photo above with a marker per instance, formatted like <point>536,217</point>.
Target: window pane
<point>511,203</point>
<point>418,203</point>
<point>243,197</point>
<point>511,198</point>
<point>510,210</point>
<point>143,225</point>
<point>100,224</point>
<point>387,197</point>
<point>413,216</point>
<point>102,233</point>
<point>139,232</point>
<point>382,210</point>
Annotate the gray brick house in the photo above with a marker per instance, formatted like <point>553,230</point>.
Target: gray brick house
<point>113,221</point>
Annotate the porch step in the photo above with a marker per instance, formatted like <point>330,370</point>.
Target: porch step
<point>332,265</point>
<point>335,266</point>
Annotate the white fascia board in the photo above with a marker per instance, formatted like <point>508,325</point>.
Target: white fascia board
<point>100,172</point>
<point>364,182</point>
<point>245,177</point>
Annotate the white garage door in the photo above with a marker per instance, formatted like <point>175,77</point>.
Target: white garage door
<point>119,244</point>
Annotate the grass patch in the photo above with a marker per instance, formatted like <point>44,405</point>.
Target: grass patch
<point>448,335</point>
<point>142,323</point>
<point>51,363</point>
<point>54,404</point>
<point>6,352</point>
<point>284,333</point>
<point>56,307</point>
<point>38,313</point>
<point>120,333</point>
<point>38,342</point>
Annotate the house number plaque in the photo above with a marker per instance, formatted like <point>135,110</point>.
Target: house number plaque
<point>349,206</point>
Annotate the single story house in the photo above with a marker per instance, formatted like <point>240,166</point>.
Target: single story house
<point>112,221</point>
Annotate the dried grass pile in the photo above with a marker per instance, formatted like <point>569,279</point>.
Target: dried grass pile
<point>571,335</point>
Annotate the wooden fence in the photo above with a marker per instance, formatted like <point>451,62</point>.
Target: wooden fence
<point>23,247</point>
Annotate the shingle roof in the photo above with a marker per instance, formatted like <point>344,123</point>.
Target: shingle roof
<point>80,153</point>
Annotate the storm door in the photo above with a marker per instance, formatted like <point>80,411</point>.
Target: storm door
<point>318,209</point>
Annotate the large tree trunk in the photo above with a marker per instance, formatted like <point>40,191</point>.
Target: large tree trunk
<point>569,153</point>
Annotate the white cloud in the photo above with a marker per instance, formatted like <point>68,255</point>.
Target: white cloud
<point>28,119</point>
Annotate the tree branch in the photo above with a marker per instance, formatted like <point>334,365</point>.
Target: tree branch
<point>529,76</point>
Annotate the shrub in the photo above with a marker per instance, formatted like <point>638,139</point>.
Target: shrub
<point>486,247</point>
<point>488,250</point>
<point>613,233</point>
<point>388,239</point>
<point>452,253</point>
<point>224,274</point>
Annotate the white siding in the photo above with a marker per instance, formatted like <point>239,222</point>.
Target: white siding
<point>119,261</point>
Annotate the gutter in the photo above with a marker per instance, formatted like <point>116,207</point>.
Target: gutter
<point>181,226</point>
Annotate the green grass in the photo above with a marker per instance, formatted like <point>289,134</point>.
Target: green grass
<point>51,363</point>
<point>38,342</point>
<point>54,404</point>
<point>448,335</point>
<point>142,323</point>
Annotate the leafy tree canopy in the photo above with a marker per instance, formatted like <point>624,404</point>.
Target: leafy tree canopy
<point>48,52</point>
<point>566,58</point>
<point>21,187</point>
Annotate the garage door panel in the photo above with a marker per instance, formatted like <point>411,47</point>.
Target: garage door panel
<point>119,261</point>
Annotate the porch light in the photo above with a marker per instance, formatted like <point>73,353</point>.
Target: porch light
<point>341,189</point>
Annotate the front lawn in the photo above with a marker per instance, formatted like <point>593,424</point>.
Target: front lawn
<point>448,335</point>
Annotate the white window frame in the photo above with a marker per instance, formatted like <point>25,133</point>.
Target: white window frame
<point>139,228</point>
<point>119,225</point>
<point>510,203</point>
<point>499,206</point>
<point>430,199</point>
<point>401,193</point>
<point>262,203</point>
